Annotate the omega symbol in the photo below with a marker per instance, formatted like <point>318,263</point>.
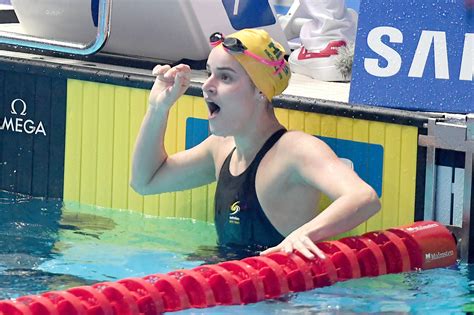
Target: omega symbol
<point>13,107</point>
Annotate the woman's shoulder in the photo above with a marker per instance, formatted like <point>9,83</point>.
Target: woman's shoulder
<point>295,138</point>
<point>299,144</point>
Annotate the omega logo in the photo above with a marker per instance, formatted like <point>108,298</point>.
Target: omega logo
<point>18,124</point>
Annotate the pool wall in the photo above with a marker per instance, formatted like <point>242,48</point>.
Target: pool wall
<point>71,131</point>
<point>33,118</point>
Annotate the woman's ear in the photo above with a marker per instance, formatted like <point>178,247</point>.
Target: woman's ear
<point>262,99</point>
<point>260,96</point>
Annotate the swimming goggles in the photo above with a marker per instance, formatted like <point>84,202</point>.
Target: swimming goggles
<point>235,45</point>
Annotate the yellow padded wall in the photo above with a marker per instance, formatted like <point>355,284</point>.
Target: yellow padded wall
<point>101,127</point>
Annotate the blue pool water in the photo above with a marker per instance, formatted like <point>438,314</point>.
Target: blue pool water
<point>46,245</point>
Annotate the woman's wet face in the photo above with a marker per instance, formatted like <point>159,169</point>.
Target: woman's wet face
<point>229,93</point>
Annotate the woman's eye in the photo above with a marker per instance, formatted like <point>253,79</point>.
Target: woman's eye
<point>225,77</point>
<point>208,73</point>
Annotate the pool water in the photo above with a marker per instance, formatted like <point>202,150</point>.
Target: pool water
<point>47,245</point>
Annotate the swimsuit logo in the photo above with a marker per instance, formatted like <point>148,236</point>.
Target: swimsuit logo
<point>234,210</point>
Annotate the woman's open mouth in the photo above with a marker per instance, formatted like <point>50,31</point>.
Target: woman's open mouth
<point>213,109</point>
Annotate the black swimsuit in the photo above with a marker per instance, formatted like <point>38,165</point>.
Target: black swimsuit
<point>239,217</point>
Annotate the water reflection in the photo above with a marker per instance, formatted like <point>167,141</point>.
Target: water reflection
<point>29,230</point>
<point>216,254</point>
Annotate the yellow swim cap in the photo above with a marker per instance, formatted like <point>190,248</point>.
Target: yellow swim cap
<point>268,79</point>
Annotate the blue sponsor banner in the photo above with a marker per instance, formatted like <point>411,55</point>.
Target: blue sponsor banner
<point>353,4</point>
<point>415,55</point>
<point>367,158</point>
<point>284,8</point>
<point>249,13</point>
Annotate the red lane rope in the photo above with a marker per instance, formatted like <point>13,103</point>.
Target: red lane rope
<point>422,245</point>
